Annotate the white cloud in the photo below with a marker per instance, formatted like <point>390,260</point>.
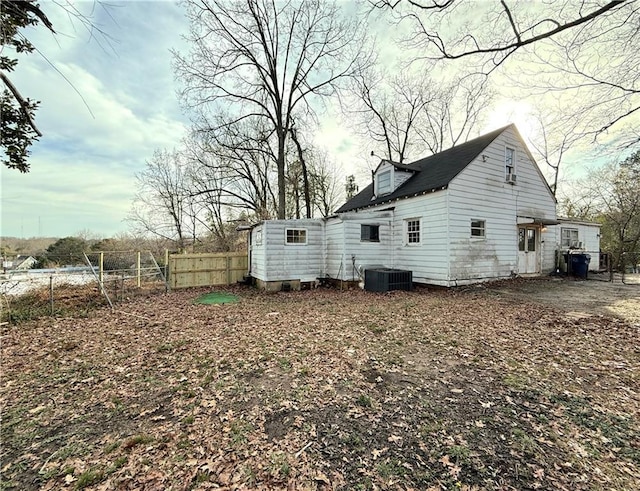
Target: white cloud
<point>83,168</point>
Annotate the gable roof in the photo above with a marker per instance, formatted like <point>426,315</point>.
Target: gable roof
<point>397,165</point>
<point>431,173</point>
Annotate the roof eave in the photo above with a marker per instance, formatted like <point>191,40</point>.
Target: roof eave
<point>397,198</point>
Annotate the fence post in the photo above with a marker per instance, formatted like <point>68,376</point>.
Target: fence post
<point>138,269</point>
<point>166,268</point>
<point>101,268</point>
<point>228,270</point>
<point>51,294</point>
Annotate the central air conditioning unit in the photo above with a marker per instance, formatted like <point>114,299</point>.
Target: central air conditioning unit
<point>387,279</point>
<point>511,178</point>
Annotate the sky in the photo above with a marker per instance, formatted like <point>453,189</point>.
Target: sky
<point>106,104</point>
<point>107,101</point>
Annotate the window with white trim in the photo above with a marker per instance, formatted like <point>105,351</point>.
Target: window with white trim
<point>369,233</point>
<point>568,237</point>
<point>296,236</point>
<point>384,182</point>
<point>478,229</point>
<point>259,237</point>
<point>510,161</point>
<point>413,231</point>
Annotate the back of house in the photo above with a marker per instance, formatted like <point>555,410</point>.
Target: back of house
<point>479,211</point>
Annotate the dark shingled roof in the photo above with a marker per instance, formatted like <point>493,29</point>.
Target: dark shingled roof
<point>431,173</point>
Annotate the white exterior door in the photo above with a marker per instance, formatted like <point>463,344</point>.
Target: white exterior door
<point>528,250</point>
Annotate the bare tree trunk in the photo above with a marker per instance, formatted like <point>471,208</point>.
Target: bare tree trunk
<point>305,173</point>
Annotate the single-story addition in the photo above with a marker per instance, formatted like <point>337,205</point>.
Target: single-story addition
<point>579,236</point>
<point>478,211</point>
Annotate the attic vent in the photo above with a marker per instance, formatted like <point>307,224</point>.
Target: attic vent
<point>387,279</point>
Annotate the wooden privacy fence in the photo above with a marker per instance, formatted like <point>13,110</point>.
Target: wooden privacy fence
<point>225,268</point>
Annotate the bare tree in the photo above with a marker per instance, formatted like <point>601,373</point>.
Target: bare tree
<point>455,112</point>
<point>325,185</point>
<point>267,61</point>
<point>236,163</point>
<point>611,195</point>
<point>555,138</point>
<point>513,31</point>
<point>160,207</point>
<point>588,50</point>
<point>389,112</point>
<point>313,181</point>
<point>302,162</point>
<point>406,115</point>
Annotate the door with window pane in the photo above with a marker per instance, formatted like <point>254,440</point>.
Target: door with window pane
<point>528,250</point>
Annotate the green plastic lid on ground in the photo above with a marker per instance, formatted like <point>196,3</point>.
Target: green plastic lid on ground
<point>216,298</point>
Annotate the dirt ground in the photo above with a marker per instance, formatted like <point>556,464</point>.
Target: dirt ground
<point>519,385</point>
<point>579,298</point>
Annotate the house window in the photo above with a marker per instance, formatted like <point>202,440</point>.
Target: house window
<point>369,233</point>
<point>478,228</point>
<point>510,161</point>
<point>258,237</point>
<point>413,231</point>
<point>569,237</point>
<point>296,236</point>
<point>384,182</point>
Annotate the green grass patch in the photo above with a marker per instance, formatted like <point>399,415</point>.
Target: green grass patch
<point>216,298</point>
<point>89,478</point>
<point>364,401</point>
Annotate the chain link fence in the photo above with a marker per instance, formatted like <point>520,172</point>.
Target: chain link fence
<point>104,279</point>
<point>120,274</point>
<point>26,295</point>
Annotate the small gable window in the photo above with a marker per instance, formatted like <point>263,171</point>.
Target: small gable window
<point>296,236</point>
<point>510,161</point>
<point>384,182</point>
<point>478,228</point>
<point>369,233</point>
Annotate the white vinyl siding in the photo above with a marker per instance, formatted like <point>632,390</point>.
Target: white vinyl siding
<point>258,253</point>
<point>400,177</point>
<point>480,190</point>
<point>277,260</point>
<point>346,252</point>
<point>384,182</point>
<point>427,260</point>
<point>588,235</point>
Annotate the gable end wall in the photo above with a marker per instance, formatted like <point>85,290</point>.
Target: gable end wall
<point>481,192</point>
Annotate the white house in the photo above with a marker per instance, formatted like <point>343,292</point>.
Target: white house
<point>20,263</point>
<point>479,211</point>
<point>579,235</point>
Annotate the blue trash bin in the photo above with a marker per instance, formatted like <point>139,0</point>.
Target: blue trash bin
<point>580,264</point>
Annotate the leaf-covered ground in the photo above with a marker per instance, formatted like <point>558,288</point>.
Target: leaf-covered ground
<point>431,389</point>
